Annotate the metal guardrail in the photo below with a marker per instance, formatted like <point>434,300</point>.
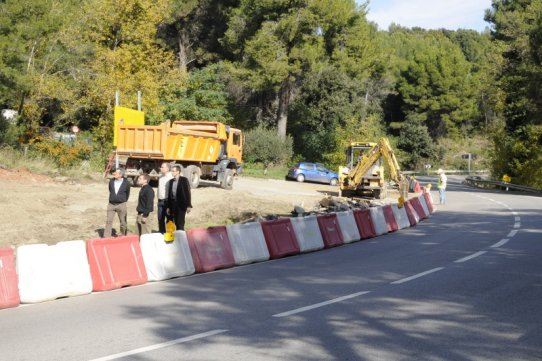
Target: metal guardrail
<point>485,183</point>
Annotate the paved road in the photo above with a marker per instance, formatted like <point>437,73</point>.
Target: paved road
<point>466,284</point>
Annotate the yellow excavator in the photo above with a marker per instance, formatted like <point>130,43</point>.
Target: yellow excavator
<point>363,176</point>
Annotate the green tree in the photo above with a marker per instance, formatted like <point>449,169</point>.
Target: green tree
<point>263,145</point>
<point>415,142</point>
<point>517,31</point>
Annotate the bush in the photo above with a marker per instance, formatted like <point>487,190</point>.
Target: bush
<point>64,155</point>
<point>263,145</point>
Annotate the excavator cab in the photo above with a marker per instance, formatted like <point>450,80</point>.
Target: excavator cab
<point>364,173</point>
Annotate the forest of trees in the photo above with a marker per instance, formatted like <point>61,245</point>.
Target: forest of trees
<point>316,73</point>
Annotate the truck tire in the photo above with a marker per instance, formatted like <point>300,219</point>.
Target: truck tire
<point>227,181</point>
<point>193,174</point>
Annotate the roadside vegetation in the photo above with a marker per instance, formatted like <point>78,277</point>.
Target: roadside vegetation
<point>301,79</point>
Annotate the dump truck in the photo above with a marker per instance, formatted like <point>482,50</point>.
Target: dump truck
<point>207,150</point>
<point>363,175</point>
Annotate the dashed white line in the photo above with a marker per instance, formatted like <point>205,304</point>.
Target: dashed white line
<point>159,345</point>
<point>512,233</point>
<point>321,304</point>
<point>474,255</point>
<point>517,219</point>
<point>417,276</point>
<point>517,225</point>
<point>502,242</point>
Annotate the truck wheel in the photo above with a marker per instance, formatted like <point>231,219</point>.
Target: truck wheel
<point>227,181</point>
<point>192,173</point>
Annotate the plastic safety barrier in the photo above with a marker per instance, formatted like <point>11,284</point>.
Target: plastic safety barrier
<point>412,215</point>
<point>307,233</point>
<point>424,205</point>
<point>364,223</point>
<point>280,238</point>
<point>9,291</point>
<point>348,226</point>
<point>418,207</point>
<point>247,243</point>
<point>390,218</point>
<point>379,221</point>
<point>429,201</point>
<point>331,230</point>
<point>165,260</point>
<point>50,272</point>
<point>210,248</point>
<point>116,262</point>
<point>400,216</point>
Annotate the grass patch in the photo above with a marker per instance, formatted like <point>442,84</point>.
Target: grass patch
<point>258,171</point>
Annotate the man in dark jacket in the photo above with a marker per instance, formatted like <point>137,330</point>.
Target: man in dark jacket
<point>119,192</point>
<point>178,197</point>
<point>144,204</point>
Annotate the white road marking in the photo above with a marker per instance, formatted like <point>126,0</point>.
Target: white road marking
<point>159,345</point>
<point>502,242</point>
<point>515,213</point>
<point>517,225</point>
<point>474,255</point>
<point>517,219</point>
<point>417,276</point>
<point>321,304</point>
<point>512,233</point>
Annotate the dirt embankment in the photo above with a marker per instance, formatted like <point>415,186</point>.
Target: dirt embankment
<point>40,209</point>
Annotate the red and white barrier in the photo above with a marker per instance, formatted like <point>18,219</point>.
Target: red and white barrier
<point>424,204</point>
<point>280,238</point>
<point>307,233</point>
<point>331,230</point>
<point>400,216</point>
<point>247,243</point>
<point>116,262</point>
<point>349,227</point>
<point>50,272</point>
<point>413,216</point>
<point>391,222</point>
<point>210,248</point>
<point>415,202</point>
<point>165,260</point>
<point>365,223</point>
<point>379,220</point>
<point>9,290</point>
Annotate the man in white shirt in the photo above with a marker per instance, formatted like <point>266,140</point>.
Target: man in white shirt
<point>165,176</point>
<point>119,192</point>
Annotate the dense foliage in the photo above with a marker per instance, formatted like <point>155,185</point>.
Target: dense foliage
<point>315,72</point>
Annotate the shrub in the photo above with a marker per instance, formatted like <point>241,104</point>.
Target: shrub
<point>64,155</point>
<point>263,145</point>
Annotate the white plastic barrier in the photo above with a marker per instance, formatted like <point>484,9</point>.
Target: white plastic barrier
<point>424,205</point>
<point>247,243</point>
<point>166,260</point>
<point>349,229</point>
<point>400,216</point>
<point>379,220</point>
<point>307,232</point>
<point>50,272</point>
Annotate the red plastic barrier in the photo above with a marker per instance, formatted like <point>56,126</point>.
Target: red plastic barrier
<point>9,284</point>
<point>418,207</point>
<point>280,238</point>
<point>428,201</point>
<point>390,218</point>
<point>364,223</point>
<point>210,248</point>
<point>417,188</point>
<point>412,215</point>
<point>330,230</point>
<point>115,262</point>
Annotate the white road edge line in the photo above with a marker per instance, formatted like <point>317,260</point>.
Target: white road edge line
<point>517,219</point>
<point>474,255</point>
<point>502,242</point>
<point>321,304</point>
<point>517,225</point>
<point>512,233</point>
<point>417,276</point>
<point>159,345</point>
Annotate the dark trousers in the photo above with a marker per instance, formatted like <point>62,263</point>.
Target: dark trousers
<point>179,215</point>
<point>162,215</point>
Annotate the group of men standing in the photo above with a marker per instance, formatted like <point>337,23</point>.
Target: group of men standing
<point>174,200</point>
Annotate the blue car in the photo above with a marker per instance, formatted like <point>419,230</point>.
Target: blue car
<point>312,172</point>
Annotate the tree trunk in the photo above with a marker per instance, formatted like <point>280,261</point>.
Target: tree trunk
<point>184,46</point>
<point>284,103</point>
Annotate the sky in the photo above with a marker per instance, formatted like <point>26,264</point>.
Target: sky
<point>429,14</point>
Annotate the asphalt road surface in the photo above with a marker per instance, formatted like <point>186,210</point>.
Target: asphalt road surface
<point>465,284</point>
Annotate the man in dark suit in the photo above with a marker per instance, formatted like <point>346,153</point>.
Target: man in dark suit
<point>178,197</point>
<point>119,192</point>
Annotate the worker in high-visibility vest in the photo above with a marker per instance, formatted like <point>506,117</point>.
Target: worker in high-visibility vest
<point>441,185</point>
